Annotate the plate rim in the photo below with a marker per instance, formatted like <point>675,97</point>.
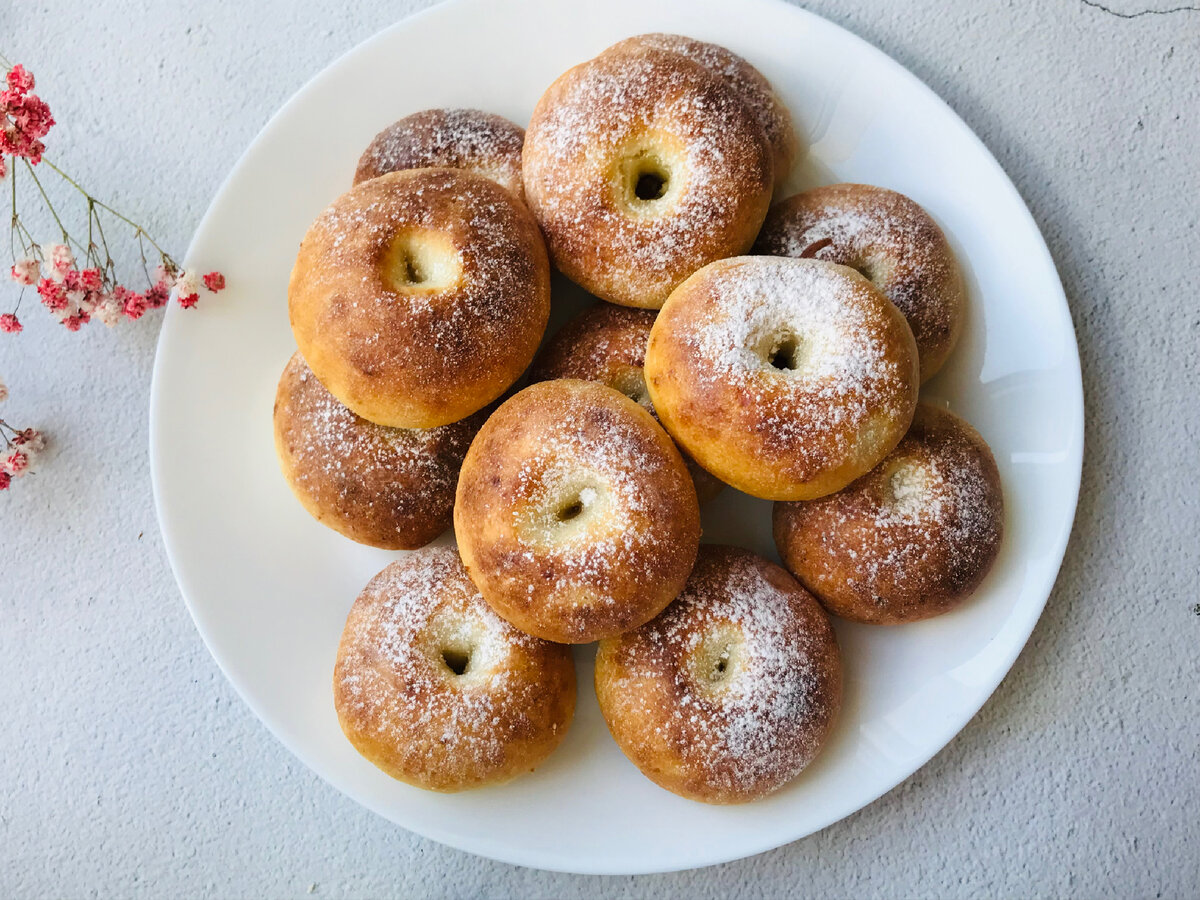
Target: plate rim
<point>543,858</point>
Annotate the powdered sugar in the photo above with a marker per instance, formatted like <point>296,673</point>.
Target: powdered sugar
<point>751,724</point>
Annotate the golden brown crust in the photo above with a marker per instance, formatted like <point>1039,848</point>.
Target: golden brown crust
<point>437,690</point>
<point>732,691</point>
<point>912,538</point>
<point>388,487</point>
<point>746,81</point>
<point>892,241</point>
<point>606,126</point>
<point>575,514</point>
<point>607,343</point>
<point>418,297</point>
<point>470,139</point>
<point>786,378</point>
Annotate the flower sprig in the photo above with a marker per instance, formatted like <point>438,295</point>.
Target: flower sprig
<point>21,448</point>
<point>76,279</point>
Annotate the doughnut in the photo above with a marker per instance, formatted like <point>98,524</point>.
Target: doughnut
<point>892,241</point>
<point>607,343</point>
<point>388,487</point>
<point>641,166</point>
<point>912,538</point>
<point>745,80</point>
<point>575,514</point>
<point>470,139</point>
<point>732,691</point>
<point>419,296</point>
<point>437,690</point>
<point>786,378</point>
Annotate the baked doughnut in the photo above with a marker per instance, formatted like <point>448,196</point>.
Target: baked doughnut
<point>641,166</point>
<point>749,84</point>
<point>786,378</point>
<point>910,539</point>
<point>480,142</point>
<point>732,691</point>
<point>575,514</point>
<point>418,297</point>
<point>437,690</point>
<point>607,343</point>
<point>892,241</point>
<point>387,487</point>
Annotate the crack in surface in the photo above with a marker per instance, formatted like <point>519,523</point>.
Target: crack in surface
<point>1141,12</point>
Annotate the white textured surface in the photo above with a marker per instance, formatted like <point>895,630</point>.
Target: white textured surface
<point>131,768</point>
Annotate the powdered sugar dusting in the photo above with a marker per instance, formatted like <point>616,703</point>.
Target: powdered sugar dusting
<point>470,139</point>
<point>887,237</point>
<point>392,684</point>
<point>769,711</point>
<point>847,370</point>
<point>400,479</point>
<point>620,105</point>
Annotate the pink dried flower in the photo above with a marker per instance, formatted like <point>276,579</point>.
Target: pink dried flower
<point>75,322</point>
<point>32,440</point>
<point>5,481</point>
<point>53,294</point>
<point>165,273</point>
<point>214,281</point>
<point>26,271</point>
<point>60,260</point>
<point>10,324</point>
<point>157,296</point>
<point>16,463</point>
<point>187,289</point>
<point>20,79</point>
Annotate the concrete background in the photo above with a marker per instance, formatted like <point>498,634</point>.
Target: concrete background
<point>130,768</point>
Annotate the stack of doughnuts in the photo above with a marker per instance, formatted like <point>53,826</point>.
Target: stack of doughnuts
<point>779,350</point>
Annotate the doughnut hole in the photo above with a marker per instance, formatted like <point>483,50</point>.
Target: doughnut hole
<point>460,649</point>
<point>631,381</point>
<point>785,351</point>
<point>421,260</point>
<point>569,508</point>
<point>716,662</point>
<point>648,177</point>
<point>875,267</point>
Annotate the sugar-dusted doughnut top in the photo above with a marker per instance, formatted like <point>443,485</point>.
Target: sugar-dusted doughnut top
<point>787,378</point>
<point>418,297</point>
<point>749,84</point>
<point>387,487</point>
<point>471,139</point>
<point>732,691</point>
<point>888,238</point>
<point>575,514</point>
<point>910,539</point>
<point>641,166</point>
<point>437,690</point>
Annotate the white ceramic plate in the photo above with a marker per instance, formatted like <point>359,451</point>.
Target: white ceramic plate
<point>269,588</point>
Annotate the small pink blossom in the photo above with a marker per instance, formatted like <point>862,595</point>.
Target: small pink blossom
<point>20,79</point>
<point>214,281</point>
<point>133,305</point>
<point>76,321</point>
<point>10,324</point>
<point>107,309</point>
<point>187,289</point>
<point>157,296</point>
<point>60,260</point>
<point>165,273</point>
<point>5,481</point>
<point>53,294</point>
<point>26,271</point>
<point>16,463</point>
<point>30,440</point>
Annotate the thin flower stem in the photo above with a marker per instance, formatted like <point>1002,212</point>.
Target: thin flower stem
<point>49,205</point>
<point>140,230</point>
